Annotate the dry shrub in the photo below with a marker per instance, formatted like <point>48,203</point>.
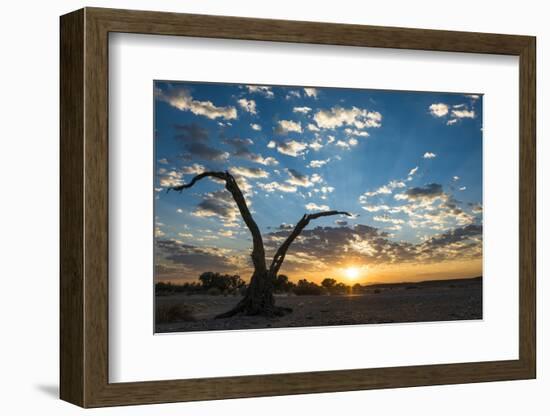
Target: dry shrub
<point>173,313</point>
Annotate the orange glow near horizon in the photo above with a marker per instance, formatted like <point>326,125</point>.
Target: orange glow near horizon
<point>370,274</point>
<point>351,273</point>
<point>393,273</point>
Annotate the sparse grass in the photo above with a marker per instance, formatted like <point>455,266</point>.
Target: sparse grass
<point>175,312</point>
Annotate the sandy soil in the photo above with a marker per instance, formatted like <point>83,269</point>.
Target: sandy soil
<point>408,302</point>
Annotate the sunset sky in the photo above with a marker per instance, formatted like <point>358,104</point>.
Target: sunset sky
<point>407,165</point>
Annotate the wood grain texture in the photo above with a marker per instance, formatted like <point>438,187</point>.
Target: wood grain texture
<point>84,207</point>
<point>527,207</point>
<point>162,23</point>
<point>96,208</point>
<point>71,100</point>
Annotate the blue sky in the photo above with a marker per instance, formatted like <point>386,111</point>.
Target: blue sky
<point>407,165</point>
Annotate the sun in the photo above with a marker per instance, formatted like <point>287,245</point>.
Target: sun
<point>352,273</point>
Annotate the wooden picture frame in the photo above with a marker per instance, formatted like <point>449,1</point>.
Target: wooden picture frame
<point>84,207</point>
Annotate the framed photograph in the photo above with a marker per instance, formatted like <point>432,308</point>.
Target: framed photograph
<point>256,207</point>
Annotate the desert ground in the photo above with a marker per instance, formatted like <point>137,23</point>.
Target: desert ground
<point>443,300</point>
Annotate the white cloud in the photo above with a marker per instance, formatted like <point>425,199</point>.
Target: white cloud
<point>290,148</point>
<point>266,91</point>
<point>382,190</point>
<point>163,161</point>
<point>311,92</point>
<point>316,145</point>
<point>312,127</point>
<point>316,178</point>
<point>181,99</point>
<point>249,172</point>
<point>293,94</point>
<point>388,219</point>
<point>355,132</point>
<point>276,186</point>
<point>266,161</point>
<point>439,109</point>
<point>413,171</point>
<point>356,117</point>
<point>312,206</point>
<point>170,178</point>
<point>330,139</point>
<point>462,188</point>
<point>255,126</point>
<point>429,155</point>
<point>303,110</point>
<point>353,142</point>
<point>396,184</point>
<point>456,178</point>
<point>248,105</point>
<point>286,126</point>
<point>318,163</point>
<point>194,169</point>
<point>430,207</point>
<point>342,144</point>
<point>298,179</point>
<point>375,208</point>
<point>464,113</point>
<point>455,113</point>
<point>395,227</point>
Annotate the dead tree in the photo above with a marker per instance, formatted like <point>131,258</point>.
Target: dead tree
<point>258,299</point>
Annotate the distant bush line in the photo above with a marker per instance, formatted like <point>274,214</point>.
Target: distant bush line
<point>213,283</point>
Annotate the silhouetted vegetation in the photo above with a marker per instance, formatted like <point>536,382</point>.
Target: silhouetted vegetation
<point>224,283</point>
<point>215,284</point>
<point>211,283</point>
<point>304,287</point>
<point>328,283</point>
<point>165,288</point>
<point>283,285</point>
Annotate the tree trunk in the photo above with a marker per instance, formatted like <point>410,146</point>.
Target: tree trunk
<point>258,299</point>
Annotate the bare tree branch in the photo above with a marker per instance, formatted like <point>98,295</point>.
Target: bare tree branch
<point>218,175</point>
<point>258,252</point>
<point>304,221</point>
